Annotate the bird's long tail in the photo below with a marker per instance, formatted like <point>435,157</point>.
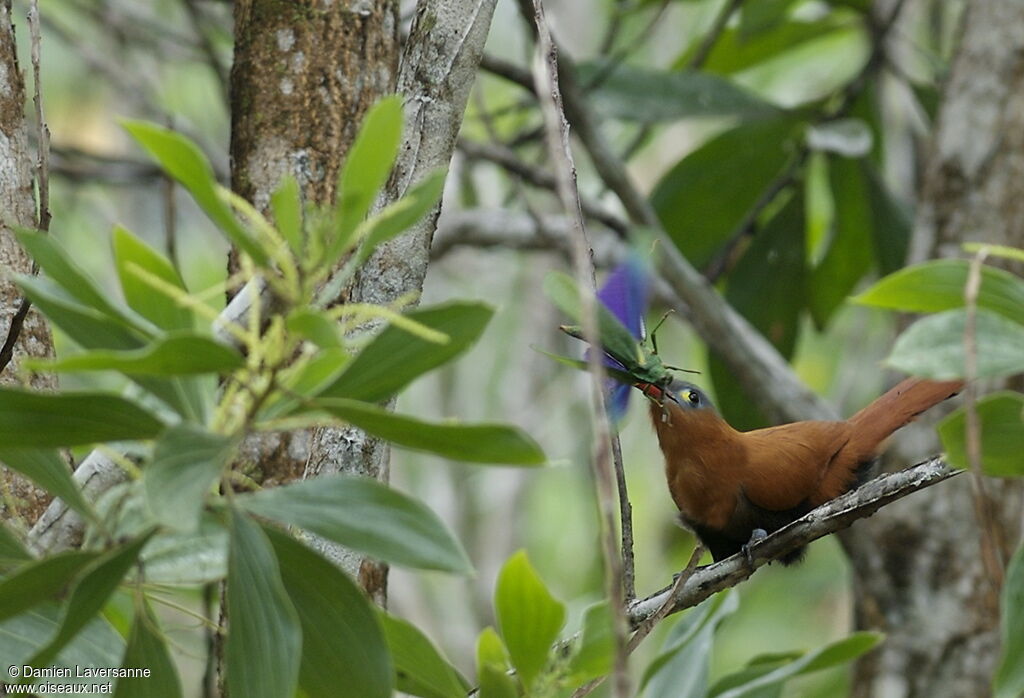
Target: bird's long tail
<point>898,407</point>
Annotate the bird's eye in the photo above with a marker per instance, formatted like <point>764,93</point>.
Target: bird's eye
<point>693,397</point>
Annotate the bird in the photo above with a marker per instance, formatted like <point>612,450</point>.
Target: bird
<point>732,487</point>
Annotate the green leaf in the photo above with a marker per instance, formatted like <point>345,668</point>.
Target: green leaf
<point>188,559</point>
<point>840,652</point>
<point>366,169</point>
<point>759,17</point>
<point>402,214</point>
<point>755,669</point>
<point>263,650</point>
<point>87,327</point>
<point>1009,678</point>
<point>649,96</point>
<point>934,346</point>
<point>53,260</point>
<point>701,201</point>
<point>286,205</point>
<point>146,648</point>
<point>343,648</point>
<point>939,285</point>
<point>1004,251</point>
<point>98,645</point>
<point>595,654</point>
<point>1001,420</point>
<point>681,668</point>
<point>90,592</point>
<point>394,358</point>
<point>492,665</point>
<point>40,580</point>
<point>366,516</point>
<point>891,223</point>
<point>47,469</point>
<point>48,420</point>
<point>420,667</point>
<point>12,549</point>
<point>473,443</point>
<point>187,459</point>
<point>850,137</point>
<point>529,617</point>
<point>768,286</point>
<point>183,160</point>
<point>176,354</point>
<point>162,311</point>
<point>315,326</point>
<point>849,254</point>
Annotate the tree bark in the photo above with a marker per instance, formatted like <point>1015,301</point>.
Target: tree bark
<point>17,208</point>
<point>918,572</point>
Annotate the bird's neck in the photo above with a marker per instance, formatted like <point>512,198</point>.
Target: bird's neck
<point>686,432</point>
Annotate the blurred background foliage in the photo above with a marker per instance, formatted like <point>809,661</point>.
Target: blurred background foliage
<point>802,121</point>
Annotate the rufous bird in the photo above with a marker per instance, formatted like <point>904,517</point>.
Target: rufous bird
<point>734,487</point>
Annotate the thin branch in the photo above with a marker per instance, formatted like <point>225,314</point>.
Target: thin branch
<point>625,523</point>
<point>557,136</point>
<point>830,517</point>
<point>989,529</point>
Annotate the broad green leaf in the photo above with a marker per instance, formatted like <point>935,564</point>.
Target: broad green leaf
<point>761,16</point>
<point>529,617</point>
<point>1001,418</point>
<point>649,96</point>
<point>98,645</point>
<point>315,326</point>
<point>402,214</point>
<point>286,204</point>
<point>735,52</point>
<point>177,354</point>
<point>366,516</point>
<point>48,420</point>
<point>263,651</point>
<point>939,285</point>
<point>182,159</point>
<point>187,459</point>
<point>840,652</point>
<point>394,358</point>
<point>768,286</point>
<point>188,559</point>
<point>755,669</point>
<point>492,667</point>
<point>473,443</point>
<point>12,549</point>
<point>594,655</point>
<point>87,327</point>
<point>53,260</point>
<point>1009,678</point>
<point>40,580</point>
<point>47,469</point>
<point>934,346</point>
<point>681,668</point>
<point>146,648</point>
<point>420,667</point>
<point>849,254</point>
<point>701,202</point>
<point>366,169</point>
<point>162,311</point>
<point>90,592</point>
<point>343,648</point>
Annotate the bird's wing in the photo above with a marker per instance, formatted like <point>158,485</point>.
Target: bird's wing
<point>785,464</point>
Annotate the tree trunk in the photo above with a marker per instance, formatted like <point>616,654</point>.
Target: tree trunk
<point>17,208</point>
<point>918,571</point>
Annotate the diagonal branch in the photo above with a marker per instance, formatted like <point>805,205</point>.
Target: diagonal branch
<point>830,517</point>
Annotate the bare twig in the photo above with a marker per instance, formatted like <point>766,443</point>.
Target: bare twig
<point>42,183</point>
<point>830,517</point>
<point>625,523</point>
<point>645,628</point>
<point>989,529</point>
<point>557,136</point>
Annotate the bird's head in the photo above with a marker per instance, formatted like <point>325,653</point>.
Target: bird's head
<point>683,394</point>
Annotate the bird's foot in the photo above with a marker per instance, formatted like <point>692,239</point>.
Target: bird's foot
<point>756,536</point>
